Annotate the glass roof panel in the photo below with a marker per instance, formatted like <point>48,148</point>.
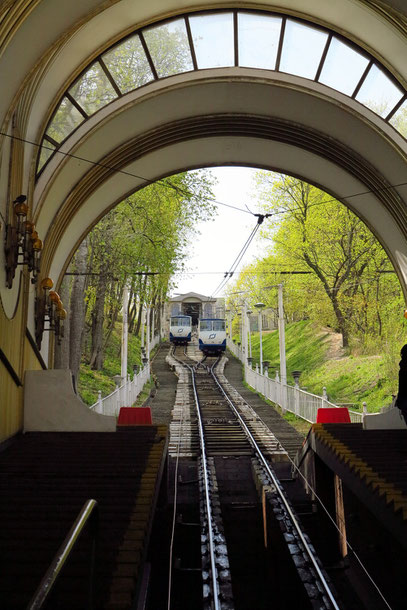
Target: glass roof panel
<point>128,64</point>
<point>343,67</point>
<point>169,48</point>
<point>93,90</point>
<point>213,39</point>
<point>65,120</point>
<point>302,49</point>
<point>399,119</point>
<point>378,92</point>
<point>258,37</point>
<point>47,150</point>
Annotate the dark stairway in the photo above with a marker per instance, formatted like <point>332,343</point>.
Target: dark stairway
<point>45,479</point>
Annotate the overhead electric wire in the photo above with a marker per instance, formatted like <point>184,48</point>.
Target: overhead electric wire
<point>230,273</point>
<point>147,181</point>
<point>162,181</point>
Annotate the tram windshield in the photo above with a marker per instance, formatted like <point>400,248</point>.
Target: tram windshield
<point>181,321</point>
<point>212,325</point>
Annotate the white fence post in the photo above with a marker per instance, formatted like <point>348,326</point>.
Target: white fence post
<point>297,397</point>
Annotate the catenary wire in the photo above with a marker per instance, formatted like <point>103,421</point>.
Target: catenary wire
<point>147,181</point>
<point>230,273</point>
<point>161,181</point>
<point>237,260</point>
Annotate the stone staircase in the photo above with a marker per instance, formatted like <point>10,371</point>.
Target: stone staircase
<point>45,479</point>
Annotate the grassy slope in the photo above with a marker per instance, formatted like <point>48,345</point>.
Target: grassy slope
<point>92,381</point>
<point>350,380</point>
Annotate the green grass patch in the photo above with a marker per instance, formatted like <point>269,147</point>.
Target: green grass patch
<point>353,380</point>
<point>305,349</point>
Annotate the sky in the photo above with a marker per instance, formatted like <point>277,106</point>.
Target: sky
<point>221,239</point>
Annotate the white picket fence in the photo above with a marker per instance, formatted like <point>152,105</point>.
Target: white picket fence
<point>126,394</point>
<point>123,396</point>
<point>289,398</point>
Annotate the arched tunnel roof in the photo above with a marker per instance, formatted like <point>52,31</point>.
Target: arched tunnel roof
<point>254,102</point>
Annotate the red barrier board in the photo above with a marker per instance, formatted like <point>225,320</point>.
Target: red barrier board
<point>134,416</point>
<point>332,415</point>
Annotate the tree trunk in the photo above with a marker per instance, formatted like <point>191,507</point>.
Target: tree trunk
<point>77,309</point>
<point>341,321</point>
<point>97,353</point>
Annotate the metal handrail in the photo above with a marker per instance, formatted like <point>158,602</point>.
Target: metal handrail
<point>89,514</point>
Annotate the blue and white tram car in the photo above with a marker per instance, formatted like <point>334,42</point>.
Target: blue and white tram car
<point>180,329</point>
<point>212,335</point>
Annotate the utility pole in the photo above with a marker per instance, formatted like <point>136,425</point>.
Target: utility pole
<point>148,332</point>
<point>281,335</point>
<point>125,333</point>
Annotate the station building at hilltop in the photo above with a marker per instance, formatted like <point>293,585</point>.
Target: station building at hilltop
<point>194,305</point>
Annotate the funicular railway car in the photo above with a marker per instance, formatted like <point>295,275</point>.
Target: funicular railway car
<point>180,329</point>
<point>212,335</point>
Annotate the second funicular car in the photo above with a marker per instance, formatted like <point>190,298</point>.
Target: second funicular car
<point>212,335</point>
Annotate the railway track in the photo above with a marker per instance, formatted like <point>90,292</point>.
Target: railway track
<point>252,548</point>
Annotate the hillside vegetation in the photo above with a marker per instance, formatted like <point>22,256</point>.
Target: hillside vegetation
<point>91,381</point>
<point>349,379</point>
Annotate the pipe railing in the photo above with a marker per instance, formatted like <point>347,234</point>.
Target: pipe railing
<point>89,515</point>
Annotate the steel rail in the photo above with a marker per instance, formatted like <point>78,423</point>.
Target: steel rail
<point>207,494</point>
<point>280,492</point>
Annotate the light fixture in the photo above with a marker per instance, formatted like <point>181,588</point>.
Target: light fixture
<point>22,245</point>
<point>49,308</point>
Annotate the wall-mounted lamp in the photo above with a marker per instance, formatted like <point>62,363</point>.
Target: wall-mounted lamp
<point>49,308</point>
<point>22,245</point>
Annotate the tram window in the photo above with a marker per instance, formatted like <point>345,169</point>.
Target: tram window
<point>180,322</point>
<point>205,325</point>
<point>218,325</point>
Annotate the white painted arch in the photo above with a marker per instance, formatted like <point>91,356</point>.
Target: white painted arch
<point>72,194</point>
<point>71,39</point>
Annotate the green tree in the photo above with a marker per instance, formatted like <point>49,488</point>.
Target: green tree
<point>141,243</point>
<point>310,231</point>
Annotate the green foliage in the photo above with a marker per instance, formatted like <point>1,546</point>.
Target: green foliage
<point>141,243</point>
<point>347,281</point>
